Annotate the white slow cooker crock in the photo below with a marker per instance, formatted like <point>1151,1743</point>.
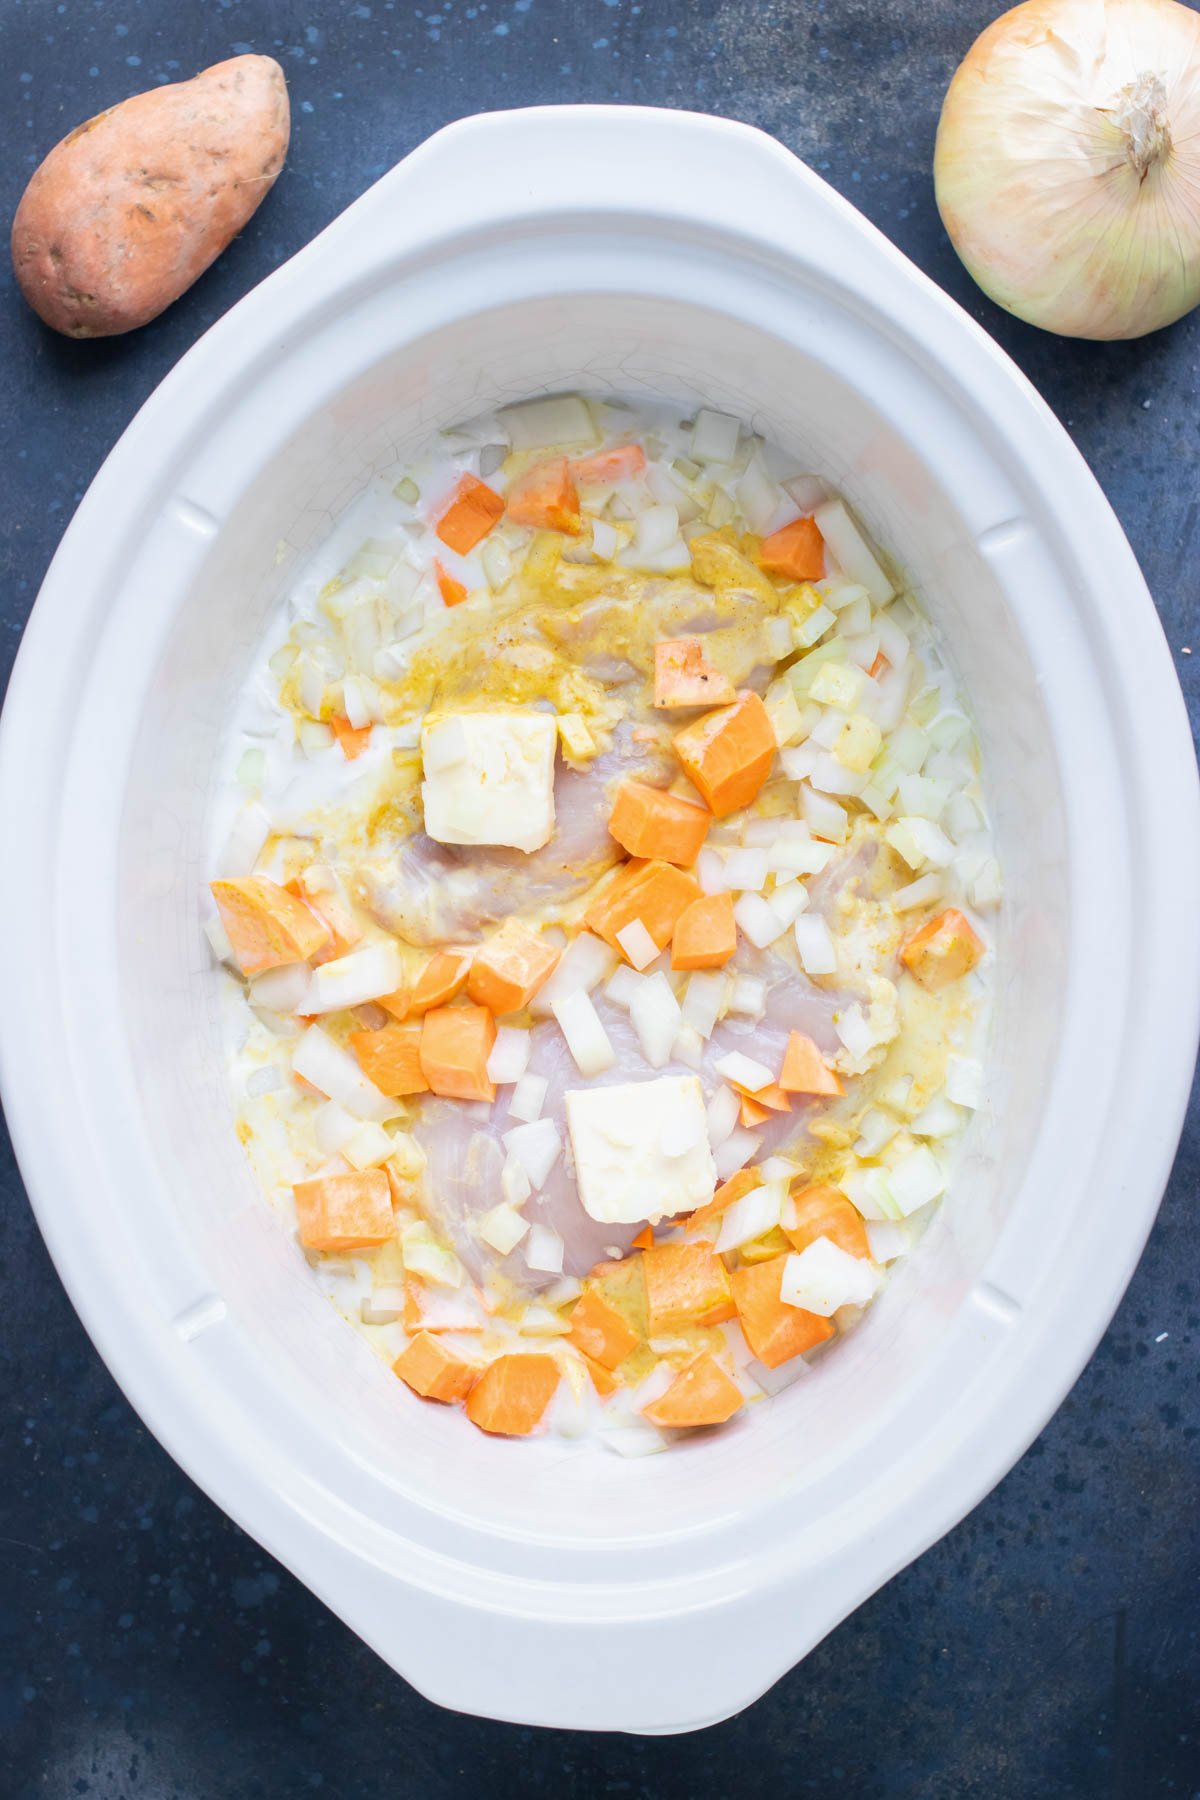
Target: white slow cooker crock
<point>619,251</point>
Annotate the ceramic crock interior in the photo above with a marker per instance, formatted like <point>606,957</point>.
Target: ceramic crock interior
<point>902,483</point>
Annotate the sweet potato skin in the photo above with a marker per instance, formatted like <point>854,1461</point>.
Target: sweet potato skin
<point>132,206</point>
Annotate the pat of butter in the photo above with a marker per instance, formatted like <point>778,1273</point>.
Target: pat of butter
<point>641,1149</point>
<point>489,778</point>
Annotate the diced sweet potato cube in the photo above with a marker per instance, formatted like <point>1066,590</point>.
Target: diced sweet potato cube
<point>512,1394</point>
<point>701,1394</point>
<point>391,1058</point>
<point>796,552</point>
<point>774,1332</point>
<point>605,466</point>
<point>352,739</point>
<point>683,676</point>
<point>469,514</point>
<point>705,934</point>
<point>654,892</point>
<point>266,925</point>
<point>649,822</point>
<point>805,1070</point>
<point>545,497</point>
<point>733,1189</point>
<point>344,931</point>
<point>728,753</point>
<point>453,591</point>
<point>603,1380</point>
<point>398,1004</point>
<point>599,1331</point>
<point>434,1371</point>
<point>750,1113</point>
<point>510,968</point>
<point>344,1212</point>
<point>456,1042</point>
<point>942,950</point>
<point>441,978</point>
<point>686,1284</point>
<point>644,1239</point>
<point>824,1211</point>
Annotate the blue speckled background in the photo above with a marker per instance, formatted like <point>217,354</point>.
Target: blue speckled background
<point>1049,1646</point>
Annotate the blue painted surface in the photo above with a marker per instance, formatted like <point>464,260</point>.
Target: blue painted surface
<point>1049,1646</point>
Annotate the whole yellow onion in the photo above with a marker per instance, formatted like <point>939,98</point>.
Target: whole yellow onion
<point>1067,166</point>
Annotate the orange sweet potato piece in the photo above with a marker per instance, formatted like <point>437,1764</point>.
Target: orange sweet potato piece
<point>442,977</point>
<point>644,1239</point>
<point>456,1042</point>
<point>686,1284</point>
<point>649,822</point>
<point>469,514</point>
<point>701,1394</point>
<point>795,552</point>
<point>805,1070</point>
<point>599,1331</point>
<point>683,676</point>
<point>705,935</point>
<point>603,1380</point>
<point>545,497</point>
<point>654,892</point>
<point>453,592</point>
<point>728,753</point>
<point>352,739</point>
<point>133,205</point>
<point>605,466</point>
<point>344,1212</point>
<point>733,1189</point>
<point>512,1394</point>
<point>434,1371</point>
<point>774,1332</point>
<point>942,950</point>
<point>266,925</point>
<point>391,1058</point>
<point>344,932</point>
<point>750,1113</point>
<point>824,1211</point>
<point>510,968</point>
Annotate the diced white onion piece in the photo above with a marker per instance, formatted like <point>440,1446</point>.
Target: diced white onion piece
<point>284,989</point>
<point>824,817</point>
<point>893,640</point>
<point>656,1017</point>
<point>853,1029</point>
<point>870,1193</point>
<point>987,888</point>
<point>360,975</point>
<point>585,963</point>
<point>426,1257</point>
<point>908,746</point>
<point>851,551</point>
<point>544,1251</point>
<point>745,1071</point>
<point>710,871</point>
<point>264,1080</point>
<point>800,855</point>
<point>838,683</point>
<point>940,1119</point>
<point>922,892</point>
<point>829,726</point>
<point>862,644</point>
<point>369,1146</point>
<point>495,559</point>
<point>806,632</point>
<point>839,593</point>
<point>752,1216</point>
<point>333,1126</point>
<point>950,729</point>
<point>779,1168</point>
<point>823,1277</point>
<point>746,869</point>
<point>354,703</point>
<point>814,945</point>
<point>778,642</point>
<point>537,1146</point>
<point>777,1381</point>
<point>758,919</point>
<point>503,1228</point>
<point>243,846</point>
<point>923,797</point>
<point>888,1240</point>
<point>218,940</point>
<point>637,944</point>
<point>509,1058</point>
<point>964,1081</point>
<point>876,1129</point>
<point>447,747</point>
<point>528,1097</point>
<point>606,540</point>
<point>764,504</point>
<point>623,985</point>
<point>336,1074</point>
<point>545,424</point>
<point>735,1152</point>
<point>829,776</point>
<point>722,1114</point>
<point>808,491</point>
<point>384,1306</point>
<point>656,528</point>
<point>749,996</point>
<point>714,437</point>
<point>688,1048</point>
<point>961,817</point>
<point>703,999</point>
<point>915,1179</point>
<point>788,900</point>
<point>632,1439</point>
<point>515,1184</point>
<point>252,767</point>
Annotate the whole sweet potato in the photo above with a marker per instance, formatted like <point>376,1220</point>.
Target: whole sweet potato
<point>130,208</point>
